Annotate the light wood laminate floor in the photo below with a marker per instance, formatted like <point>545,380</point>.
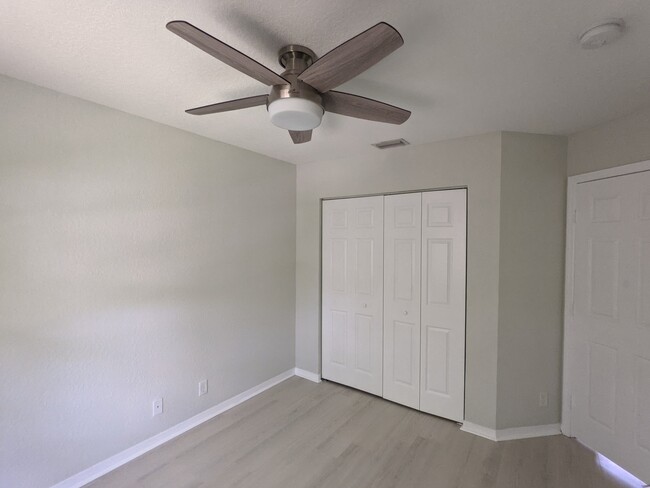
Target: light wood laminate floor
<point>301,434</point>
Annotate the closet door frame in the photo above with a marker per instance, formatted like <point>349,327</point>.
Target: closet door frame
<point>320,263</point>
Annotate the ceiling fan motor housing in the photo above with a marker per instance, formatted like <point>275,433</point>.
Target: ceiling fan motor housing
<point>296,105</point>
<point>295,57</point>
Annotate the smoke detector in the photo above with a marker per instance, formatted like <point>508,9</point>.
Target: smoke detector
<point>602,33</point>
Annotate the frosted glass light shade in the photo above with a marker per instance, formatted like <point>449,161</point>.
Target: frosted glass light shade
<point>295,114</point>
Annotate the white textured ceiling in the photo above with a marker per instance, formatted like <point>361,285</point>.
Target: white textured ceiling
<point>467,66</point>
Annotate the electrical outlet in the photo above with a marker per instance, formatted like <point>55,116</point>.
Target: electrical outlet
<point>543,399</point>
<point>157,406</point>
<point>203,387</point>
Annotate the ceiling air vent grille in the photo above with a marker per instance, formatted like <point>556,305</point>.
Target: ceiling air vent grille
<point>390,144</point>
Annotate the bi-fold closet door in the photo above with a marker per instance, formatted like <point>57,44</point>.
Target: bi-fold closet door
<point>402,258</point>
<point>394,297</point>
<point>353,239</point>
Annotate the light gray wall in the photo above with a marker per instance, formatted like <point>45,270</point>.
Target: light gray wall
<point>621,141</point>
<point>473,162</point>
<point>135,260</point>
<point>531,278</point>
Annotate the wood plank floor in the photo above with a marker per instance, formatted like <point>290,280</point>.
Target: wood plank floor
<point>301,434</point>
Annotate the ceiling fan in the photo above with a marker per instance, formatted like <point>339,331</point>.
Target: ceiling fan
<point>304,91</point>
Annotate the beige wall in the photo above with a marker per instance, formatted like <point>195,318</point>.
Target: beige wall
<point>135,260</point>
<point>621,141</point>
<point>531,278</point>
<point>473,162</point>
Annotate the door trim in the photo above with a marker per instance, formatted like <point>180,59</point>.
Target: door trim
<point>567,359</point>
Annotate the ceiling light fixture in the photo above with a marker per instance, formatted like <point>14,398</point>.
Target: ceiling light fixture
<point>295,113</point>
<point>604,32</point>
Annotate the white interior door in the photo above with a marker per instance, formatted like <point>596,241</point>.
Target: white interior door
<point>444,247</point>
<point>402,244</point>
<point>352,264</point>
<point>611,320</point>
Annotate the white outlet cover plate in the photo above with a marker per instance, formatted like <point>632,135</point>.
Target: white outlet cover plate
<point>157,406</point>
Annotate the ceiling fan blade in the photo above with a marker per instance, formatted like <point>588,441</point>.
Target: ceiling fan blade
<point>224,53</point>
<point>363,108</point>
<point>352,57</point>
<point>300,136</point>
<point>229,105</point>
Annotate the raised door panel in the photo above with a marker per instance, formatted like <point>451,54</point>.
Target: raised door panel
<point>352,291</point>
<point>339,337</point>
<point>603,268</point>
<point>444,244</point>
<point>601,400</point>
<point>643,300</point>
<point>438,272</point>
<point>642,404</point>
<point>436,367</point>
<point>402,246</point>
<point>338,256</point>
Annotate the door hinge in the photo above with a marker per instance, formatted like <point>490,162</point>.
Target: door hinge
<point>575,215</point>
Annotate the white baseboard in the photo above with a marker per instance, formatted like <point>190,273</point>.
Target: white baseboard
<point>528,432</point>
<point>513,433</point>
<point>479,430</point>
<point>308,375</point>
<point>113,462</point>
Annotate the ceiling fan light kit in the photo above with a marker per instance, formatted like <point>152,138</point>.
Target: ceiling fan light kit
<point>295,113</point>
<point>304,91</point>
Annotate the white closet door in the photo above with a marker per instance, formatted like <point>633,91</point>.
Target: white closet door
<point>444,243</point>
<point>352,321</point>
<point>402,243</point>
<point>611,382</point>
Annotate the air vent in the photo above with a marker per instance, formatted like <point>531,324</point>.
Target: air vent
<point>393,143</point>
